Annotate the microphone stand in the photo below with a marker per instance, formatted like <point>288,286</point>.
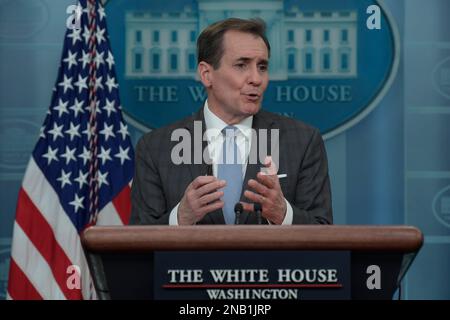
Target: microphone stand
<point>238,208</point>
<point>258,210</point>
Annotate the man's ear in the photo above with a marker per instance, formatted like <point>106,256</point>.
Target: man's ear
<point>204,70</point>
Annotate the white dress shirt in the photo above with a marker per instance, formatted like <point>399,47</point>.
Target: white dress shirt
<point>214,127</point>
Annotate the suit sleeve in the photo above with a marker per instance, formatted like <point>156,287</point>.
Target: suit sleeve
<point>148,204</point>
<point>313,195</point>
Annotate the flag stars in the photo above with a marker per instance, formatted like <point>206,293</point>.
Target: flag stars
<point>98,83</point>
<point>88,132</point>
<point>85,155</point>
<point>64,178</point>
<point>100,34</point>
<point>102,179</point>
<point>86,34</point>
<point>123,155</point>
<point>71,59</point>
<point>61,107</point>
<point>123,130</point>
<point>42,132</point>
<point>81,83</point>
<point>75,35</point>
<point>77,203</point>
<point>101,12</point>
<point>104,155</point>
<point>99,60</point>
<point>85,59</point>
<point>110,60</point>
<point>109,107</point>
<point>82,179</point>
<point>73,131</point>
<point>69,155</point>
<point>111,83</point>
<point>107,131</point>
<point>51,155</point>
<point>77,107</point>
<point>66,83</point>
<point>56,131</point>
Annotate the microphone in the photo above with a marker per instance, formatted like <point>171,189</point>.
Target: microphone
<point>238,208</point>
<point>258,209</point>
<point>209,170</point>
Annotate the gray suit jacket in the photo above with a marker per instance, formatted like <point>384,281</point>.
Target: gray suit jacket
<point>159,185</point>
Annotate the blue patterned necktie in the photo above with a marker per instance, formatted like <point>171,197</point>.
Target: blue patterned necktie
<point>229,169</point>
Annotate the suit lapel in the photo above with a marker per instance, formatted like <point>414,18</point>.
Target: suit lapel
<point>198,168</point>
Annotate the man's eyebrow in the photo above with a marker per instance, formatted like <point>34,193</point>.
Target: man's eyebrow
<point>243,59</point>
<point>247,59</point>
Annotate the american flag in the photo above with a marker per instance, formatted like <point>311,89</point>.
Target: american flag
<point>79,173</point>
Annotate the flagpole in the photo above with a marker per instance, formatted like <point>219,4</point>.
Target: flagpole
<point>93,168</point>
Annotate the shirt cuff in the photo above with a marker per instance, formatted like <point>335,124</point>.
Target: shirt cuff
<point>173,217</point>
<point>289,217</point>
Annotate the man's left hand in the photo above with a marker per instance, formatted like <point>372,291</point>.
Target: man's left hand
<point>269,194</point>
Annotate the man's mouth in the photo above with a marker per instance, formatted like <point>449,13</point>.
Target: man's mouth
<point>253,96</point>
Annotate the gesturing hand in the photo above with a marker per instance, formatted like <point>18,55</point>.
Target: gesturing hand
<point>268,193</point>
<point>201,197</point>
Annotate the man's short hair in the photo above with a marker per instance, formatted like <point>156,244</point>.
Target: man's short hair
<point>210,42</point>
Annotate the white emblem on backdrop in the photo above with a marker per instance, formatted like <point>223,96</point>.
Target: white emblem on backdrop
<point>318,44</point>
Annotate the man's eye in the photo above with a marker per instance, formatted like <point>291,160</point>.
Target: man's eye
<point>240,65</point>
<point>263,67</point>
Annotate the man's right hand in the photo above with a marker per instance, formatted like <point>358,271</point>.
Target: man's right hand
<point>201,197</point>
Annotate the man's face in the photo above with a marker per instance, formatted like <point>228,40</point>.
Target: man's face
<point>236,88</point>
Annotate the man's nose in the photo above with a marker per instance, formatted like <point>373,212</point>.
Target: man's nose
<point>254,77</point>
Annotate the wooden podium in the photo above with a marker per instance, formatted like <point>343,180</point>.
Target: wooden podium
<point>121,259</point>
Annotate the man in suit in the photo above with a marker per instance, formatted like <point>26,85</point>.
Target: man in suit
<point>233,57</point>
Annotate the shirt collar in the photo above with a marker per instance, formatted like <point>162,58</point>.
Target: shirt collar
<point>214,122</point>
